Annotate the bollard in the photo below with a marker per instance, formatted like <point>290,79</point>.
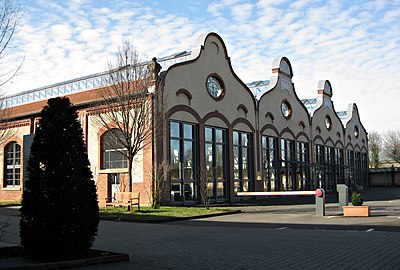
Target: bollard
<point>343,191</point>
<point>320,202</point>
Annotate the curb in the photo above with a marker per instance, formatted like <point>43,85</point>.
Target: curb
<point>9,205</point>
<point>121,219</point>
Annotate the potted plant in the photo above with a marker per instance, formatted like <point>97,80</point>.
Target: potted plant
<point>357,209</point>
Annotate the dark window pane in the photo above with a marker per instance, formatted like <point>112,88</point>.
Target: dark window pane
<point>236,162</point>
<point>176,192</point>
<point>221,190</point>
<point>188,131</point>
<point>208,134</point>
<point>219,135</point>
<point>245,139</point>
<point>174,129</point>
<point>245,173</point>
<point>189,191</point>
<point>209,161</point>
<point>235,138</point>
<point>219,162</point>
<point>113,150</point>
<point>188,160</point>
<point>175,153</point>
<point>264,142</point>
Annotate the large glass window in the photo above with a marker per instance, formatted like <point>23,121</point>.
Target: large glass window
<point>319,165</point>
<point>287,165</point>
<point>216,163</point>
<point>183,143</point>
<point>12,165</point>
<point>113,150</point>
<point>330,169</point>
<point>357,164</point>
<point>364,173</point>
<point>339,166</point>
<point>269,149</point>
<point>350,168</point>
<point>241,161</point>
<point>303,167</point>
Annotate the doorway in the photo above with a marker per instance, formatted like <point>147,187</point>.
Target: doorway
<point>113,184</point>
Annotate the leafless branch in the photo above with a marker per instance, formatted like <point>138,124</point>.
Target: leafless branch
<point>10,16</point>
<point>127,105</point>
<point>392,145</point>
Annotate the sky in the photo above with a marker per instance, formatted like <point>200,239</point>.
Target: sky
<point>354,44</point>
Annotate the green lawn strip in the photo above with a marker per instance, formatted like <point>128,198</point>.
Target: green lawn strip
<point>10,203</point>
<point>164,213</point>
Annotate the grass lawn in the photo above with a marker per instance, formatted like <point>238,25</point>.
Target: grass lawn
<point>10,203</point>
<point>165,213</point>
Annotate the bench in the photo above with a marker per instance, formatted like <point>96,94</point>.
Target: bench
<point>124,199</point>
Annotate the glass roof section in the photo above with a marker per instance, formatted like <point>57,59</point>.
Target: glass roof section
<point>342,115</point>
<point>310,104</point>
<point>258,87</point>
<point>81,84</point>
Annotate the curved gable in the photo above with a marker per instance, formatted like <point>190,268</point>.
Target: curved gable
<point>325,115</point>
<point>282,91</point>
<point>209,67</point>
<point>355,131</point>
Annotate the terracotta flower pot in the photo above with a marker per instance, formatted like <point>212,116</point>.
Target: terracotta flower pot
<point>356,211</point>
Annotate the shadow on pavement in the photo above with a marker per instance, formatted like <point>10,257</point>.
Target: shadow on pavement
<point>288,226</point>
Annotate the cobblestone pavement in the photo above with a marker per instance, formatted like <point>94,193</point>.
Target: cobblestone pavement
<point>262,237</point>
<point>181,246</point>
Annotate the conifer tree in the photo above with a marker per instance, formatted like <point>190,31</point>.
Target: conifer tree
<point>59,213</point>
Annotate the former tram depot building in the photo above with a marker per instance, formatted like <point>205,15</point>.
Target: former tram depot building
<point>218,132</point>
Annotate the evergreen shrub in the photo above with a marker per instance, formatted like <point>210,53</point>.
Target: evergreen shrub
<point>59,213</point>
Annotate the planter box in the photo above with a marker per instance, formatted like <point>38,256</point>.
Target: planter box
<point>356,211</point>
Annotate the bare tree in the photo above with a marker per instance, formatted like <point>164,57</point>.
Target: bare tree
<point>375,144</point>
<point>204,190</point>
<point>392,145</point>
<point>159,184</point>
<point>127,105</point>
<point>10,16</point>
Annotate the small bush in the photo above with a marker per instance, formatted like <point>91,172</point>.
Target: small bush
<point>356,199</point>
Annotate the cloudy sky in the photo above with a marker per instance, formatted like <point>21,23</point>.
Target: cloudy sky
<point>355,44</point>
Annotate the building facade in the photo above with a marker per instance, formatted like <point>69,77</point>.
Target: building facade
<point>220,135</point>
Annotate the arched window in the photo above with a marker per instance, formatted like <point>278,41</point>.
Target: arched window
<point>113,150</point>
<point>12,165</point>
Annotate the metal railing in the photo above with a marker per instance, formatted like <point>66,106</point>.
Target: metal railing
<point>89,82</point>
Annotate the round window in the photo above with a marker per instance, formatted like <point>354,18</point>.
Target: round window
<point>328,122</point>
<point>356,132</point>
<point>286,109</point>
<point>214,87</point>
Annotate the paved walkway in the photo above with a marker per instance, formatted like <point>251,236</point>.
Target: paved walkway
<point>263,237</point>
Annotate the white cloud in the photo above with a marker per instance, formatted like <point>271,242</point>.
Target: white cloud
<point>355,46</point>
<point>242,12</point>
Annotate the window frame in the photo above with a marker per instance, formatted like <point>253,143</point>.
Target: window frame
<point>240,146</point>
<point>186,187</point>
<point>270,162</point>
<point>15,167</point>
<point>112,158</point>
<point>212,180</point>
